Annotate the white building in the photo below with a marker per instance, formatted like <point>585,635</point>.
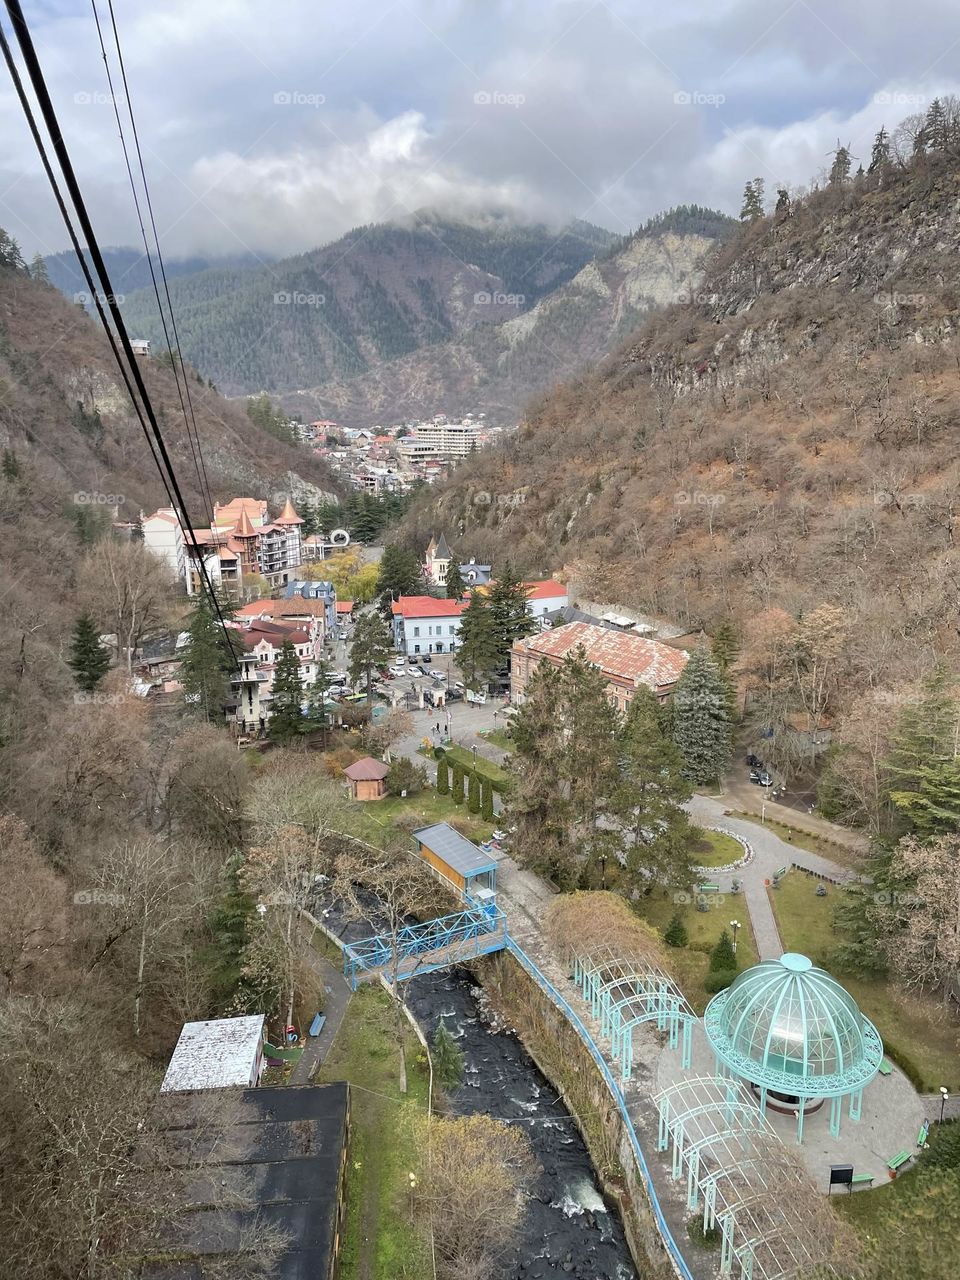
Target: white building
<point>163,536</point>
<point>546,597</point>
<point>223,1053</point>
<point>440,440</point>
<point>422,624</point>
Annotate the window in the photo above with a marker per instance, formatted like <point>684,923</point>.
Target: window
<point>451,629</point>
<point>416,631</point>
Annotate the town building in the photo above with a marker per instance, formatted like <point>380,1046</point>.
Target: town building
<point>294,608</point>
<point>222,1053</point>
<point>367,778</point>
<point>441,439</point>
<point>545,598</point>
<point>318,546</point>
<point>240,541</point>
<point>309,590</point>
<point>436,562</point>
<point>626,659</point>
<point>423,624</point>
<point>456,859</point>
<point>140,346</point>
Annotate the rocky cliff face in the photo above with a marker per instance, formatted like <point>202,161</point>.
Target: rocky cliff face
<point>499,367</point>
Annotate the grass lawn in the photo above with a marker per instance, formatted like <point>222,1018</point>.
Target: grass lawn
<point>715,849</point>
<point>500,738</point>
<point>804,840</point>
<point>691,963</point>
<point>917,1031</point>
<point>379,1242</point>
<point>376,816</point>
<point>486,768</point>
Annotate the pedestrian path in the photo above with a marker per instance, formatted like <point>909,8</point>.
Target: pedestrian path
<point>337,993</point>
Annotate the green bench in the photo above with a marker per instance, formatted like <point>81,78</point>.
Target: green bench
<point>778,875</point>
<point>885,1068</point>
<point>924,1133</point>
<point>861,1180</point>
<point>708,888</point>
<point>899,1160</point>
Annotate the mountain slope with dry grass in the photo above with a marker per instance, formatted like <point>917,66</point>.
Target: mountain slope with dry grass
<point>786,442</point>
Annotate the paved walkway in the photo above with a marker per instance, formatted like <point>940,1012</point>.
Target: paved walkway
<point>744,795</point>
<point>337,995</point>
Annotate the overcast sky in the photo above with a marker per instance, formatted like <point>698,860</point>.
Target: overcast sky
<point>276,126</point>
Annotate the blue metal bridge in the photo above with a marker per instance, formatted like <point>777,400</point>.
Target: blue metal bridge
<point>423,948</point>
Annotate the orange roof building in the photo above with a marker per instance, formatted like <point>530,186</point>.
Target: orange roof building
<point>626,659</point>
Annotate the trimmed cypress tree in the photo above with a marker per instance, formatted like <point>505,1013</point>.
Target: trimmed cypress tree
<point>88,659</point>
<point>457,782</point>
<point>443,777</point>
<point>486,799</point>
<point>473,802</point>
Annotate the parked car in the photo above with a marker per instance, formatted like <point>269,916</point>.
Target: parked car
<point>425,657</point>
<point>414,671</point>
<point>400,661</point>
<point>755,776</point>
<point>754,761</point>
<point>438,676</point>
<point>454,695</point>
<point>766,780</point>
<point>459,685</point>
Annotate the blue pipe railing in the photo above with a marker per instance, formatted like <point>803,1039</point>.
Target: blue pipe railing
<point>547,986</point>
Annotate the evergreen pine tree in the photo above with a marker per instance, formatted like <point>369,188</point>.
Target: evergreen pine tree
<point>38,269</point>
<point>443,777</point>
<point>371,650</point>
<point>924,767</point>
<point>752,207</point>
<point>723,957</point>
<point>880,155</point>
<point>10,255</point>
<point>455,585</point>
<point>486,799</point>
<point>286,715</point>
<point>477,651</point>
<point>935,126</point>
<point>89,659</point>
<point>457,790</point>
<point>317,696</point>
<point>207,663</point>
<point>783,202</point>
<point>447,1058</point>
<point>473,798</point>
<point>840,169</point>
<point>400,574</point>
<point>702,726</point>
<point>725,646</point>
<point>510,618</point>
<point>676,932</point>
<point>10,465</point>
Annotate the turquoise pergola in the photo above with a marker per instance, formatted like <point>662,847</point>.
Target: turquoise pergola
<point>796,1036</point>
<point>627,991</point>
<point>742,1179</point>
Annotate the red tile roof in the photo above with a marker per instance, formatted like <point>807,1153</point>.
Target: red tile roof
<point>618,654</point>
<point>344,606</point>
<point>295,607</point>
<point>427,607</point>
<point>546,589</point>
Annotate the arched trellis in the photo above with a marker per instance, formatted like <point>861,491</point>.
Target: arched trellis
<point>625,991</point>
<point>771,1222</point>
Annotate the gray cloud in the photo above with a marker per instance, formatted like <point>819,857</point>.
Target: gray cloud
<point>277,129</point>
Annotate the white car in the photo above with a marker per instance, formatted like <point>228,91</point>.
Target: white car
<point>415,673</point>
<point>400,661</point>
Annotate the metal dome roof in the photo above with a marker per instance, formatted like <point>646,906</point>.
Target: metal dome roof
<point>790,1027</point>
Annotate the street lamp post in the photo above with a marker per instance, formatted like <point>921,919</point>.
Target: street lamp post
<point>603,871</point>
<point>734,925</point>
<point>944,1097</point>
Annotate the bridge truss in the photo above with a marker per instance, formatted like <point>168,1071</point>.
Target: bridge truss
<point>423,948</point>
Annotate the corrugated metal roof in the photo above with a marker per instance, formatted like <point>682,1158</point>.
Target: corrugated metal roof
<point>459,853</point>
<point>214,1054</point>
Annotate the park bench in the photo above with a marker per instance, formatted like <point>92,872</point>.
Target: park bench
<point>316,1026</point>
<point>923,1134</point>
<point>899,1160</point>
<point>861,1180</point>
<point>885,1068</point>
<point>708,888</point>
<point>778,875</point>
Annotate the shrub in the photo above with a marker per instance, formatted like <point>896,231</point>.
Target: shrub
<point>447,1058</point>
<point>473,802</point>
<point>723,956</point>
<point>439,753</point>
<point>676,933</point>
<point>405,776</point>
<point>486,799</point>
<point>718,980</point>
<point>443,777</point>
<point>457,782</point>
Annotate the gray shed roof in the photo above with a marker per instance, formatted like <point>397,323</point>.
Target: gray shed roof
<point>459,853</point>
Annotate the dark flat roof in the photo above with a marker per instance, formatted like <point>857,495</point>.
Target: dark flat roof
<point>459,853</point>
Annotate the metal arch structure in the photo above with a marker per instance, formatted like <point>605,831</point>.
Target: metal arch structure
<point>847,1084</point>
<point>422,948</point>
<point>625,991</point>
<point>740,1172</point>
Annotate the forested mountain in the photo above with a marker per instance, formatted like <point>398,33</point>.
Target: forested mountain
<point>129,269</point>
<point>378,293</point>
<point>499,367</point>
<point>780,452</point>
